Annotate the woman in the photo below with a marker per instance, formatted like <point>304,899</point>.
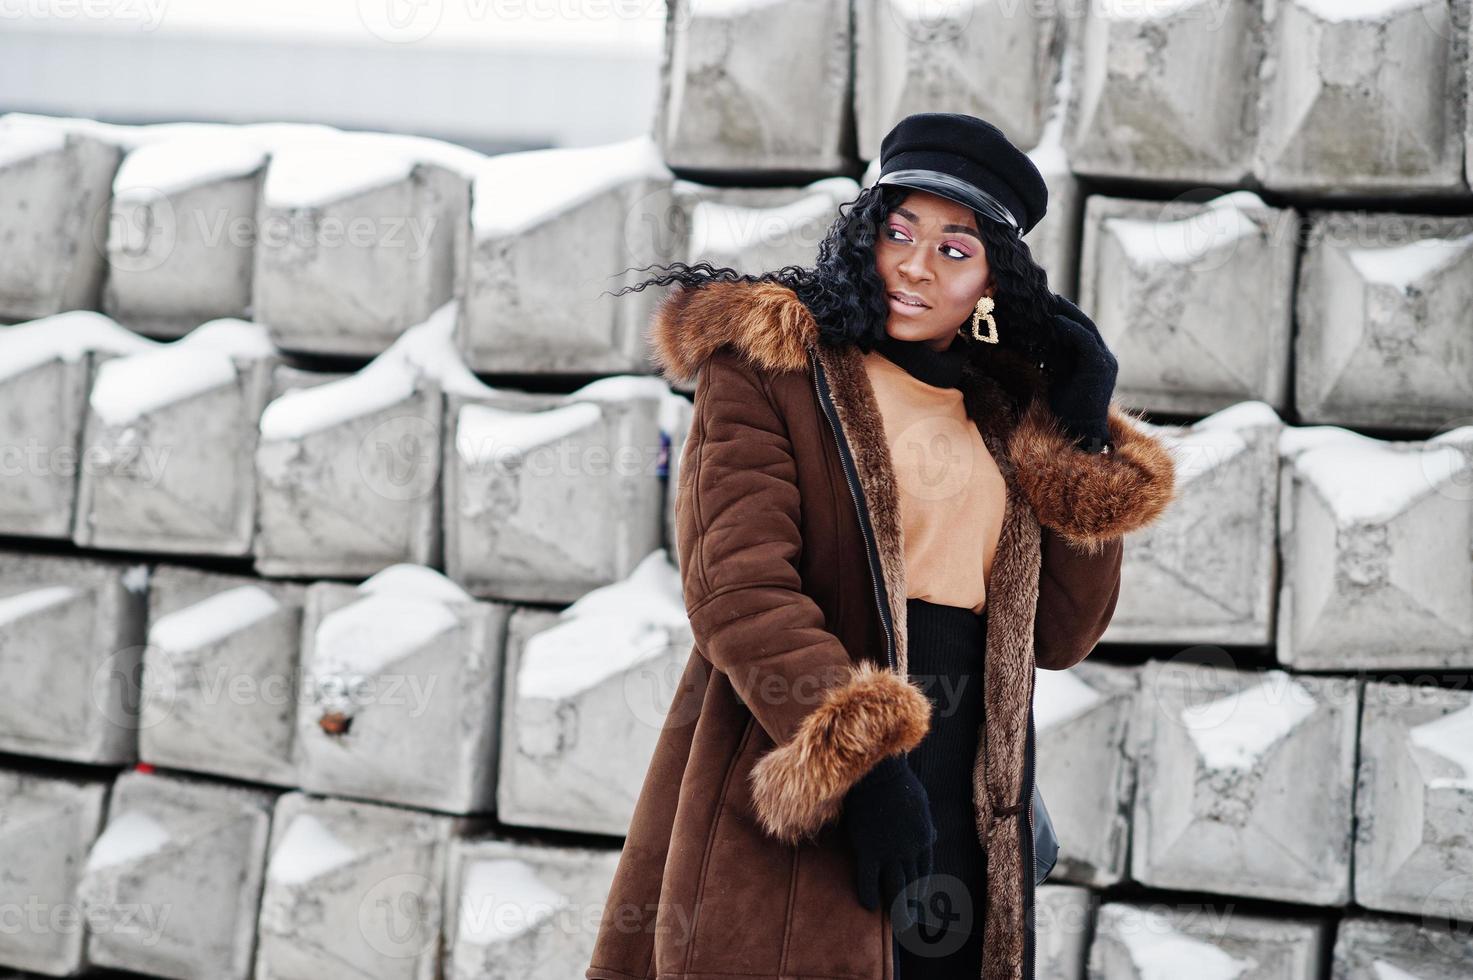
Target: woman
<point>814,808</point>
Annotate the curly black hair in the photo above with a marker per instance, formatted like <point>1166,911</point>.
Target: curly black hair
<point>848,298</point>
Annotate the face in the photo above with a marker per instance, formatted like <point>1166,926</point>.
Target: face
<point>929,247</point>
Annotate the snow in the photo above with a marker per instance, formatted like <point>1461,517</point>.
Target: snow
<point>64,336</point>
<point>483,434</point>
<point>621,387</point>
<point>1059,696</point>
<point>1160,952</point>
<point>1234,732</point>
<point>1219,437</point>
<point>370,633</point>
<point>22,604</point>
<point>1186,240</point>
<point>1344,10</point>
<point>1143,9</point>
<point>212,619</point>
<point>135,579</point>
<point>426,350</point>
<point>22,143</point>
<point>307,850</point>
<point>1403,266</point>
<point>606,632</point>
<point>1295,441</point>
<point>414,580</point>
<point>1372,484</point>
<point>732,8</point>
<point>129,835</point>
<point>172,166</point>
<point>729,229</point>
<point>1450,737</point>
<point>1386,971</point>
<point>515,191</point>
<point>493,888</point>
<point>316,175</point>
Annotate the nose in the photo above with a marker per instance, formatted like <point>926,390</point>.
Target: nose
<point>915,266</point>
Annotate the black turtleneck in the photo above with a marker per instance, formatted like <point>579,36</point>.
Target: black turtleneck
<point>939,369</point>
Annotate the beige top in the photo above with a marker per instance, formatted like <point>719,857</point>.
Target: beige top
<point>951,493</point>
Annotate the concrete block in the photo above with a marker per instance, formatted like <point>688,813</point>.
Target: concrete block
<point>1224,753</point>
<point>174,429</point>
<point>1363,99</point>
<point>588,692</point>
<point>55,189</point>
<point>1206,573</point>
<point>1376,540</point>
<point>1165,285</point>
<point>1373,948</point>
<point>1414,802</point>
<point>1383,338</point>
<point>181,235</point>
<point>172,886</point>
<point>1082,721</point>
<point>221,675</point>
<point>402,683</point>
<point>544,503</point>
<point>615,201</point>
<point>348,471</point>
<point>1065,917</point>
<point>46,826</point>
<point>352,889</point>
<point>1135,940</point>
<point>723,106</point>
<point>523,912</point>
<point>358,241</point>
<point>755,239</point>
<point>71,644</point>
<point>1140,109</point>
<point>675,418</point>
<point>46,369</point>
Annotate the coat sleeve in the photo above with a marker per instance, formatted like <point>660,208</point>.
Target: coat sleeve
<point>1077,592</point>
<point>1090,498</point>
<point>739,539</point>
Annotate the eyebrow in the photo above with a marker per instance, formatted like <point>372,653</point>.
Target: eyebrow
<point>964,229</point>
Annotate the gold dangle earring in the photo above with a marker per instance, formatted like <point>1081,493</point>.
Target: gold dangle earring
<point>984,312</point>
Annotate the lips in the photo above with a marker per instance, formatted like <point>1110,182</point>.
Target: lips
<point>908,300</point>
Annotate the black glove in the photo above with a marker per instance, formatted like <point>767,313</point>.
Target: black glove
<point>888,818</point>
<point>1085,379</point>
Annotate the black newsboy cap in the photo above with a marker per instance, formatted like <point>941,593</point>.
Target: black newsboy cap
<point>967,160</point>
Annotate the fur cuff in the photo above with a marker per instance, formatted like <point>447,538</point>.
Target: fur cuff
<point>799,786</point>
<point>1089,498</point>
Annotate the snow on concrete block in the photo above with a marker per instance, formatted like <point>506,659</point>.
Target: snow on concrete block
<point>913,57</point>
<point>172,886</point>
<point>1082,718</point>
<point>523,912</point>
<point>348,470</point>
<point>55,186</point>
<point>1140,109</point>
<point>1164,283</point>
<point>221,679</point>
<point>1374,948</point>
<point>1383,336</point>
<point>535,306</point>
<point>1376,540</point>
<point>547,497</point>
<point>352,889</point>
<point>1363,98</point>
<point>1207,942</point>
<point>71,645</point>
<point>1206,573</point>
<point>726,107</point>
<point>359,239</point>
<point>46,367</point>
<point>1065,915</point>
<point>1224,753</point>
<point>46,826</point>
<point>1414,801</point>
<point>588,692</point>
<point>754,239</point>
<point>181,236</point>
<point>402,686</point>
<point>173,430</point>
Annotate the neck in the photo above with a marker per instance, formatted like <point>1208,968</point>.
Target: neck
<point>940,367</point>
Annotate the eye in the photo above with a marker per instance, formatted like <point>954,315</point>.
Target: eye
<point>899,235</point>
<point>962,255</point>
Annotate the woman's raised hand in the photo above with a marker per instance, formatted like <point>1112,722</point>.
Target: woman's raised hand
<point>1083,384</point>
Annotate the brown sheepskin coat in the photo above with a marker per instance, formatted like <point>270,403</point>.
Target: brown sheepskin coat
<point>792,562</point>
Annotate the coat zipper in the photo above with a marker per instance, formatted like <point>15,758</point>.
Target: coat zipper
<point>820,389</point>
<point>1030,896</point>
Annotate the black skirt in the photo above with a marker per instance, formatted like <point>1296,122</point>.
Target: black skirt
<point>946,647</point>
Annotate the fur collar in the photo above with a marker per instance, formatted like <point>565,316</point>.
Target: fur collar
<point>766,321</point>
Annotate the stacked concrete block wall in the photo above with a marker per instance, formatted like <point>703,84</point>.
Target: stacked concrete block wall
<point>339,603</point>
